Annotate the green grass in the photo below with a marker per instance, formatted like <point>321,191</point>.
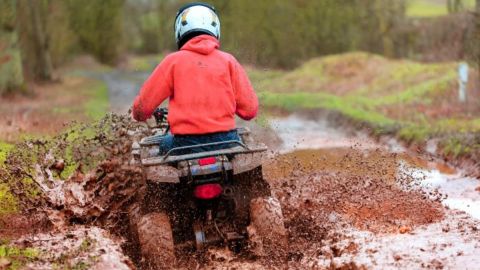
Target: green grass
<point>68,146</point>
<point>432,8</point>
<point>348,107</point>
<point>426,9</point>
<point>17,257</point>
<point>95,108</point>
<point>4,149</point>
<point>75,133</point>
<point>8,202</point>
<point>93,102</point>
<point>382,94</point>
<point>98,103</point>
<point>422,89</point>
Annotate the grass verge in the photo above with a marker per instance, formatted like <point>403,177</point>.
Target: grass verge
<point>433,8</point>
<point>412,101</point>
<point>97,105</point>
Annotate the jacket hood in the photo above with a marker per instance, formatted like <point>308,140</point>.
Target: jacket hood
<point>203,44</point>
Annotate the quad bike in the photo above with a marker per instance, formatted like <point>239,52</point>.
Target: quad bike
<point>204,198</point>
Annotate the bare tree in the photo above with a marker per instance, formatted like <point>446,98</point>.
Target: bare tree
<point>454,6</point>
<point>477,36</point>
<point>44,69</point>
<point>11,73</point>
<point>33,38</point>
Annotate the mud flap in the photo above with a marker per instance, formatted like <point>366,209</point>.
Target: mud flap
<point>162,174</point>
<point>246,162</point>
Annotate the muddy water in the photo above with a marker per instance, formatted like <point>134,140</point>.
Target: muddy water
<point>460,192</point>
<point>337,198</point>
<point>298,132</point>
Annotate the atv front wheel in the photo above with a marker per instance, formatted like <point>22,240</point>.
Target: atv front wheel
<point>156,241</point>
<point>267,233</point>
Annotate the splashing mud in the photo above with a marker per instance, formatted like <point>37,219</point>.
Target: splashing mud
<point>348,202</point>
<point>76,248</point>
<point>357,205</point>
<point>82,176</point>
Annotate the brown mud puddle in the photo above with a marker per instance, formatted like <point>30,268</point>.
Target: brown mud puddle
<point>430,165</point>
<point>340,204</point>
<point>359,185</point>
<point>348,208</point>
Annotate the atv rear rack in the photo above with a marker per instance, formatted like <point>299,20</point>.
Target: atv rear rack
<point>169,158</point>
<point>156,139</point>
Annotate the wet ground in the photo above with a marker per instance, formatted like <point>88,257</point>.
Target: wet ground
<point>299,132</point>
<point>388,214</point>
<point>353,202</point>
<point>349,202</point>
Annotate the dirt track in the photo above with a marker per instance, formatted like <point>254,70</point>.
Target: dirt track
<point>358,204</point>
<point>348,202</point>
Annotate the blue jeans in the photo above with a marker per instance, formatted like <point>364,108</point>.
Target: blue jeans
<point>170,141</point>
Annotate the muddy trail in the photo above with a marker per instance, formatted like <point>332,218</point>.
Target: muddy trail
<point>349,202</point>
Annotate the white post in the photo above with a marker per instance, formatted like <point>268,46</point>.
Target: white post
<point>462,82</point>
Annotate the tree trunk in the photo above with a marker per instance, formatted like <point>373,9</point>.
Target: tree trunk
<point>454,6</point>
<point>477,38</point>
<point>11,73</point>
<point>43,71</point>
<point>385,23</point>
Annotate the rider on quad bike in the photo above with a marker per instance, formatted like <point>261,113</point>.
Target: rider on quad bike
<point>204,179</point>
<point>206,87</point>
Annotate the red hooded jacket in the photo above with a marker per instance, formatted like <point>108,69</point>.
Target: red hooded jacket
<point>206,87</point>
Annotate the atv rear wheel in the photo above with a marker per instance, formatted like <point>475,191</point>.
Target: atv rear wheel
<point>156,241</point>
<point>267,233</point>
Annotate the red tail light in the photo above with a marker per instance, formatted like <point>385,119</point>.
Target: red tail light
<point>207,191</point>
<point>207,161</point>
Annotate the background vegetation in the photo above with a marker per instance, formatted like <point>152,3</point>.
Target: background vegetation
<point>45,34</point>
<point>38,37</point>
<point>413,101</point>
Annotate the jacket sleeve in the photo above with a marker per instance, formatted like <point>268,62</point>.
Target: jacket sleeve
<point>245,97</point>
<point>157,88</point>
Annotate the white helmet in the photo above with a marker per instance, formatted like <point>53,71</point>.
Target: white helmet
<point>194,19</point>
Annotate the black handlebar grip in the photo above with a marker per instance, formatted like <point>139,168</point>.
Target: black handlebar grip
<point>160,114</point>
